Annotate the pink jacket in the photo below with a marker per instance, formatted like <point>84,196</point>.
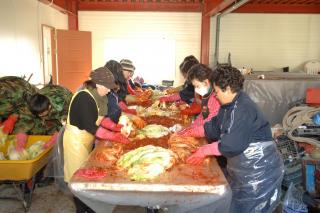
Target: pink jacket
<point>198,124</point>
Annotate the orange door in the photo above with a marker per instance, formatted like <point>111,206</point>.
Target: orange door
<point>74,54</point>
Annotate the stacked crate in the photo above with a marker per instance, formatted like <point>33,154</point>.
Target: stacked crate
<point>291,159</point>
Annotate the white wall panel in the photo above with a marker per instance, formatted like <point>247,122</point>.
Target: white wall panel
<point>183,28</point>
<point>268,42</point>
<point>20,36</point>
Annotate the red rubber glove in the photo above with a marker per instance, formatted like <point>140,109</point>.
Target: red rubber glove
<point>8,124</point>
<point>130,89</point>
<point>192,131</point>
<point>52,140</point>
<point>21,141</point>
<point>124,108</point>
<point>204,151</point>
<point>105,134</point>
<point>194,109</point>
<point>109,124</point>
<point>170,98</point>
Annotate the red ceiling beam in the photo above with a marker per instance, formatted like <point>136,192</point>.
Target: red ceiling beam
<point>205,39</point>
<point>277,8</point>
<point>212,7</point>
<point>73,16</point>
<point>195,6</point>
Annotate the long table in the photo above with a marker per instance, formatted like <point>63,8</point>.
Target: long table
<point>184,188</point>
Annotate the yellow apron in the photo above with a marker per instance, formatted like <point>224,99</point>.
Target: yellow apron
<point>77,144</point>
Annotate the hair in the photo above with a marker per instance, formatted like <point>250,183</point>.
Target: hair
<point>116,69</point>
<point>187,63</point>
<point>191,58</point>
<point>187,66</point>
<point>89,84</point>
<point>228,76</point>
<point>38,103</point>
<point>200,72</point>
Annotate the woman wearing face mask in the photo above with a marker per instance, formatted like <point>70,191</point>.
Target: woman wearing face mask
<point>200,76</point>
<point>242,134</point>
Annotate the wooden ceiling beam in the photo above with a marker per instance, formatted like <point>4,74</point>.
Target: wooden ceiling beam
<point>212,7</point>
<point>194,6</point>
<point>277,8</point>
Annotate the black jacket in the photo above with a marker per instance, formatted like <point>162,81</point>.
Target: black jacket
<point>84,112</point>
<point>238,124</point>
<point>114,111</point>
<point>187,93</point>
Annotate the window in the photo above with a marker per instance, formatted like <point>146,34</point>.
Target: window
<point>154,59</point>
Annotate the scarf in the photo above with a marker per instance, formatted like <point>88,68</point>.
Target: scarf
<point>102,101</point>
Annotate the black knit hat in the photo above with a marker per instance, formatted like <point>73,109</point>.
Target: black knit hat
<point>104,77</point>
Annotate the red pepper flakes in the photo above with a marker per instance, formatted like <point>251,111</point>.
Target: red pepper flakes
<point>91,173</point>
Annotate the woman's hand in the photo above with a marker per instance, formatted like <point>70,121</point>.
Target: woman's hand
<point>204,151</point>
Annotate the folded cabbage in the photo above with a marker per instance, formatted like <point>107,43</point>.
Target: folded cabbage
<point>146,163</point>
<point>153,131</point>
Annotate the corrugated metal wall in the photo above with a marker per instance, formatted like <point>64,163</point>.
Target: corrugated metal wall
<point>268,42</point>
<point>184,28</point>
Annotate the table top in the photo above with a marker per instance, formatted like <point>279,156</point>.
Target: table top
<point>205,178</point>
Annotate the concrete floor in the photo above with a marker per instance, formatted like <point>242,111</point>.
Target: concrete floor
<point>48,200</point>
<point>45,199</point>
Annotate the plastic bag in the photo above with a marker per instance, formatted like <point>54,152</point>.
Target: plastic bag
<point>316,119</point>
<point>293,201</point>
<point>55,165</point>
<point>255,178</point>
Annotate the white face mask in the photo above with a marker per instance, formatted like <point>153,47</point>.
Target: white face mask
<point>202,90</point>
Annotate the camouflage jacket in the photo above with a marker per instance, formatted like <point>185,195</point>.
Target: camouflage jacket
<point>14,92</point>
<point>29,123</point>
<point>60,98</point>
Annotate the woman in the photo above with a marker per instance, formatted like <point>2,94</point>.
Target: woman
<point>117,105</point>
<point>128,71</point>
<point>118,74</point>
<point>116,98</point>
<point>87,111</point>
<point>185,92</point>
<point>201,78</point>
<point>243,135</point>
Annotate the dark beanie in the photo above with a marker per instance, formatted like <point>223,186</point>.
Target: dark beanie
<point>103,76</point>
